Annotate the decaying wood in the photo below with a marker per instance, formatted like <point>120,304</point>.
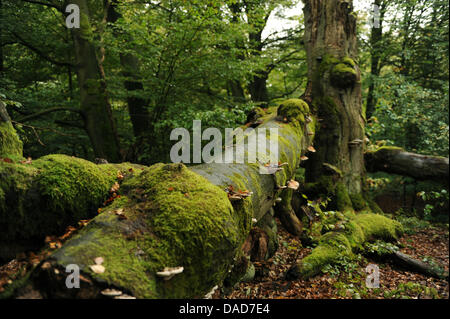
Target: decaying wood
<point>203,250</point>
<point>409,263</point>
<point>397,161</point>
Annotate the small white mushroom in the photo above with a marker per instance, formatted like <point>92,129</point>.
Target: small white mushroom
<point>99,260</point>
<point>111,292</point>
<point>211,293</point>
<point>293,185</point>
<point>124,296</point>
<point>169,272</point>
<point>98,269</point>
<point>355,142</point>
<point>254,220</point>
<point>278,200</point>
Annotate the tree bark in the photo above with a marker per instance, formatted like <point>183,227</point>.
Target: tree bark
<point>397,161</point>
<point>95,106</point>
<point>334,90</point>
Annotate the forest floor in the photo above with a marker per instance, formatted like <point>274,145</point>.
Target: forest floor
<point>348,279</point>
<point>344,281</point>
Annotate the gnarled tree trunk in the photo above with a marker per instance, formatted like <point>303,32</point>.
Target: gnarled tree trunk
<point>334,90</point>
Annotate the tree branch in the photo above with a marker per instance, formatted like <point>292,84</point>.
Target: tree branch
<point>51,110</point>
<point>40,53</point>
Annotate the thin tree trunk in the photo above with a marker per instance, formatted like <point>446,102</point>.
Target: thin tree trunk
<point>137,106</point>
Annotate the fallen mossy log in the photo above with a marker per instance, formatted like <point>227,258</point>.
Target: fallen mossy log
<point>395,160</point>
<point>346,241</point>
<point>169,215</point>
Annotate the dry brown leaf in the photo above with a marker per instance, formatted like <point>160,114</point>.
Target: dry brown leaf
<point>114,188</point>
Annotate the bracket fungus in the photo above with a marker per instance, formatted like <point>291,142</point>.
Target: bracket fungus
<point>169,272</point>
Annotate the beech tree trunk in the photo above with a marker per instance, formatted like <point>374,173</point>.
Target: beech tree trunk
<point>137,106</point>
<point>334,90</point>
<point>95,106</point>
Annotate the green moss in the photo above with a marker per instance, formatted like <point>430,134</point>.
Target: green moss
<point>294,110</point>
<point>343,76</point>
<point>341,70</point>
<point>176,218</point>
<point>327,109</point>
<point>358,202</point>
<point>332,245</point>
<point>10,144</point>
<point>348,61</point>
<point>51,193</point>
<point>72,184</point>
<point>343,200</point>
<point>324,187</point>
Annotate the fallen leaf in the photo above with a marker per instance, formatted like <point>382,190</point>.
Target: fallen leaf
<point>114,188</point>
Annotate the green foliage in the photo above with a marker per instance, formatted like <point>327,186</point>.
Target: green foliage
<point>413,224</point>
<point>411,116</point>
<point>409,83</point>
<point>411,290</point>
<point>379,248</point>
<point>438,199</point>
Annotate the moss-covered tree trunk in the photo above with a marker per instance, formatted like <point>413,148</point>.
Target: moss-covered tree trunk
<point>95,106</point>
<point>167,215</point>
<point>334,91</point>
